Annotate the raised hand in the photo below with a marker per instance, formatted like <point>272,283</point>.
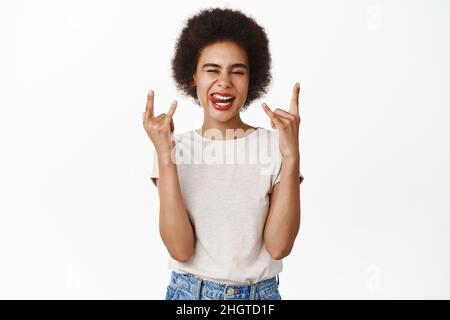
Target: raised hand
<point>287,124</point>
<point>160,128</point>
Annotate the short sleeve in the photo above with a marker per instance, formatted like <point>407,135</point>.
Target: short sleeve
<point>155,173</point>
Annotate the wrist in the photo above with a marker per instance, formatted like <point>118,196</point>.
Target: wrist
<point>165,157</point>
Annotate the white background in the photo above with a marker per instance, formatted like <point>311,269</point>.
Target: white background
<point>79,215</point>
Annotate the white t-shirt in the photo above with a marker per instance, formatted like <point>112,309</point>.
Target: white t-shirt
<point>226,186</point>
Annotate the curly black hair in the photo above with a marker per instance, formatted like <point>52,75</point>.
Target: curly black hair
<point>214,25</point>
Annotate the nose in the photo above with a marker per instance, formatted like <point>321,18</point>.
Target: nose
<point>224,80</point>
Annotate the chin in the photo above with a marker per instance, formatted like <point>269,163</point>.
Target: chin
<point>220,115</point>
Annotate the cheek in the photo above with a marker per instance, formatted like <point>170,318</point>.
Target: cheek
<point>243,85</point>
<point>201,91</point>
<point>204,86</point>
<point>243,93</point>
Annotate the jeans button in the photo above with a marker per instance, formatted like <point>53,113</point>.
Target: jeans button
<point>232,291</point>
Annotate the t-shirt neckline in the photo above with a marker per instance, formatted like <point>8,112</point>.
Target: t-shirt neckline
<point>227,140</point>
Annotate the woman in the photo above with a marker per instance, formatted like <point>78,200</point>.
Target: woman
<point>229,192</point>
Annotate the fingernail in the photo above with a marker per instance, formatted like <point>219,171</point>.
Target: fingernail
<point>150,93</point>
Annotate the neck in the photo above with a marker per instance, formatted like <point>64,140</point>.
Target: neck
<point>233,128</point>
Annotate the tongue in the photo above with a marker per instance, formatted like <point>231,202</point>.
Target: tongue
<point>222,101</point>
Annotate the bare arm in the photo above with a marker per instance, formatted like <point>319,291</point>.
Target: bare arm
<point>176,230</point>
<point>283,219</point>
<point>175,227</point>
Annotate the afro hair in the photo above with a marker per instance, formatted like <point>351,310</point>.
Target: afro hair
<point>214,25</point>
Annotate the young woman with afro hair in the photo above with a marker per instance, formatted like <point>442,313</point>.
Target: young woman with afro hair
<point>229,193</point>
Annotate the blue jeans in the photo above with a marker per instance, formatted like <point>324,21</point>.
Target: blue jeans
<point>190,287</point>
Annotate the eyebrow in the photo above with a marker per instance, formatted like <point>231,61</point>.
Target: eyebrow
<point>235,65</point>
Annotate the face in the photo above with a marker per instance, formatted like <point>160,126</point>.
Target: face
<point>222,73</point>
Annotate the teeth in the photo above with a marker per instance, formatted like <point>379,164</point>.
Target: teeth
<point>222,104</point>
<point>218,96</point>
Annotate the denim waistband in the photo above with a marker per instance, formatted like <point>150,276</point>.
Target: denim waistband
<point>196,285</point>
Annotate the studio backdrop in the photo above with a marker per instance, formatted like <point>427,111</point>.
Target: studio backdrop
<point>79,213</point>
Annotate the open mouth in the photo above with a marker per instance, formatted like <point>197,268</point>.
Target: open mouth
<point>221,102</point>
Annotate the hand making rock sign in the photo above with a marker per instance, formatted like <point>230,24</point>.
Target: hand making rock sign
<point>287,124</point>
<point>160,128</point>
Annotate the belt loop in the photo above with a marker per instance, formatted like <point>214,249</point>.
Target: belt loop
<point>199,288</point>
<point>278,280</point>
<point>253,291</point>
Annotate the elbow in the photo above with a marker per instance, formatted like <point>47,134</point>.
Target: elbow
<point>279,249</point>
<point>182,258</point>
<point>278,255</point>
<point>183,255</point>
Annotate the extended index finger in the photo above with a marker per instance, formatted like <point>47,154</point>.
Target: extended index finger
<point>294,101</point>
<point>149,106</point>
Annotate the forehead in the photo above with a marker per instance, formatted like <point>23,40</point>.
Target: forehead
<point>224,53</point>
